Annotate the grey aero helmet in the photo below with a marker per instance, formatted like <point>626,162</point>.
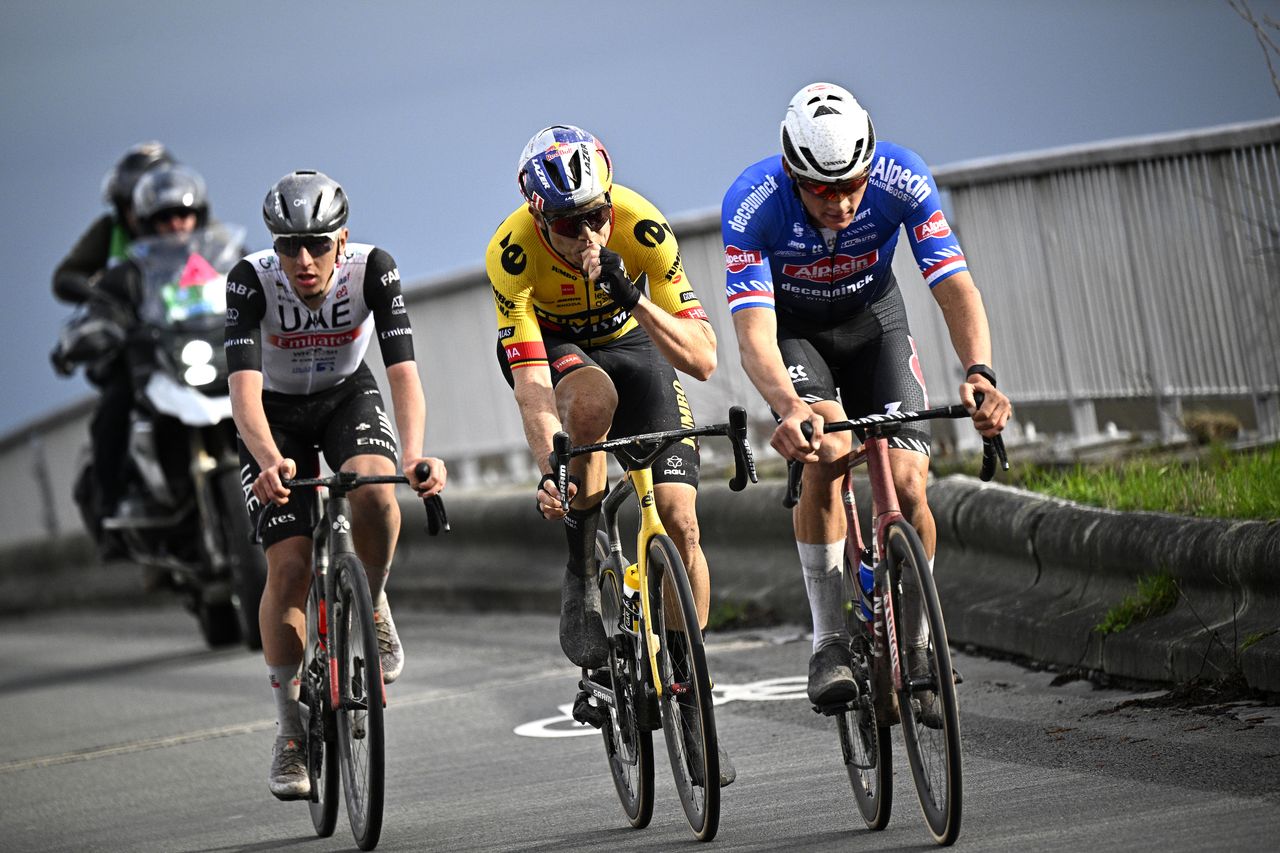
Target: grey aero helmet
<point>826,135</point>
<point>305,202</point>
<point>170,187</point>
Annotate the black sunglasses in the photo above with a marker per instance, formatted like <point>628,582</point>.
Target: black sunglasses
<point>315,244</point>
<point>172,213</point>
<point>570,224</point>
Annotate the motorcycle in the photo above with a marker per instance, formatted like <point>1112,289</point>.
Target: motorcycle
<point>182,516</point>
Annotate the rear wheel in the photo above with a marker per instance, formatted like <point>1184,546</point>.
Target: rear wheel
<point>865,746</point>
<point>360,697</point>
<point>628,747</point>
<point>322,738</point>
<point>688,719</point>
<point>927,701</point>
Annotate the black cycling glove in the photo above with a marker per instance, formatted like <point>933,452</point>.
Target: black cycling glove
<point>615,283</point>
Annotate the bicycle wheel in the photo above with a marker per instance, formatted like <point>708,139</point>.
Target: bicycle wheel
<point>932,734</point>
<point>629,748</point>
<point>688,719</point>
<point>322,739</point>
<point>359,712</point>
<point>864,743</point>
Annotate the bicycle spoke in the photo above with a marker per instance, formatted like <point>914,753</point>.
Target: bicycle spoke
<point>864,744</point>
<point>628,748</point>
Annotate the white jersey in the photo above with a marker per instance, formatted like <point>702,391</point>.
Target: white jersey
<point>300,350</point>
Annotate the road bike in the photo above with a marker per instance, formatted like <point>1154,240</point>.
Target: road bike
<point>877,576</point>
<point>343,695</point>
<point>657,672</point>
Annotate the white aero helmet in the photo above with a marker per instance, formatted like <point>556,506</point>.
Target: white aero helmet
<point>826,135</point>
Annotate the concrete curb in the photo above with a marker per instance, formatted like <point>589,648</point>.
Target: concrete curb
<point>1018,572</point>
<point>1031,575</point>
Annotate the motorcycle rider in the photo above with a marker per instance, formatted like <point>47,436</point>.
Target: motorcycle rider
<point>104,243</point>
<point>167,199</point>
<point>101,247</point>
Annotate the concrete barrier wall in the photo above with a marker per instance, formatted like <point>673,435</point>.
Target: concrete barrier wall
<point>1017,572</point>
<point>1032,575</point>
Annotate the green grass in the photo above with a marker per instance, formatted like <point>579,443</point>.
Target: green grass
<point>1218,484</point>
<point>1156,595</point>
<point>1257,637</point>
<point>728,615</point>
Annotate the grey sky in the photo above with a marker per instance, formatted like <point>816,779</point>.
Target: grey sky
<point>421,109</point>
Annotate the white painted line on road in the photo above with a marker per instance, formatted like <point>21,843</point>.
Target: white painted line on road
<point>130,747</point>
<point>767,690</point>
<point>136,746</point>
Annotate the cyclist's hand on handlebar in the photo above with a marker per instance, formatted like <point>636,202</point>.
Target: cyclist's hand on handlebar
<point>790,441</point>
<point>549,497</point>
<point>434,484</point>
<point>995,411</point>
<point>269,488</point>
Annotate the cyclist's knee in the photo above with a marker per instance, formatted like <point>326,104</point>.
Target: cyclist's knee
<point>587,400</point>
<point>910,487</point>
<point>835,447</point>
<point>375,504</point>
<point>826,472</point>
<point>679,516</point>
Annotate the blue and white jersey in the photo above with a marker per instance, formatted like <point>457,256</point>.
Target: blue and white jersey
<point>776,258</point>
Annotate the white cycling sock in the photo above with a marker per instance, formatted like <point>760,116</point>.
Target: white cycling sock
<point>377,582</point>
<point>286,687</point>
<point>824,583</point>
<point>915,629</point>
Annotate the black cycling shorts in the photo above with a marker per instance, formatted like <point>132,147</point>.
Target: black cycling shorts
<point>346,420</point>
<point>650,396</point>
<point>870,360</point>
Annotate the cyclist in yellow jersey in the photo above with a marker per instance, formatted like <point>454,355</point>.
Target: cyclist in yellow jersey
<point>594,309</point>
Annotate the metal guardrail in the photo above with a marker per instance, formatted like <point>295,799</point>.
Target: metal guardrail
<point>1145,270</point>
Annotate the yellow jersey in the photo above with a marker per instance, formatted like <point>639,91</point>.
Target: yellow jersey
<point>535,289</point>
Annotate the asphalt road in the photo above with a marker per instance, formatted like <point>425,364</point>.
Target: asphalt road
<point>121,732</point>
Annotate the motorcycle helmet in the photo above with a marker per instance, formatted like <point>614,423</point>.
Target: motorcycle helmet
<point>826,135</point>
<point>118,184</point>
<point>170,187</point>
<point>563,167</point>
<point>305,202</point>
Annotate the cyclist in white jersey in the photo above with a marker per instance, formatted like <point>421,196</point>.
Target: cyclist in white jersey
<point>299,320</point>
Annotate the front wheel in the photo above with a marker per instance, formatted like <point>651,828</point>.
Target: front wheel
<point>627,744</point>
<point>359,713</point>
<point>688,718</point>
<point>927,698</point>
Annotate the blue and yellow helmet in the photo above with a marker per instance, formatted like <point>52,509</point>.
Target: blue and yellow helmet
<point>563,167</point>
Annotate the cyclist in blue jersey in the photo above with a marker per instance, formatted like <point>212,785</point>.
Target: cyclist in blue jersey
<point>809,239</point>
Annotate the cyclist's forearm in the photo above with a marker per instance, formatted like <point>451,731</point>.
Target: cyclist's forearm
<point>251,418</point>
<point>410,404</point>
<point>966,319</point>
<point>537,404</point>
<point>688,344</point>
<point>762,361</point>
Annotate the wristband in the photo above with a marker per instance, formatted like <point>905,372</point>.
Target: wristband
<point>981,370</point>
